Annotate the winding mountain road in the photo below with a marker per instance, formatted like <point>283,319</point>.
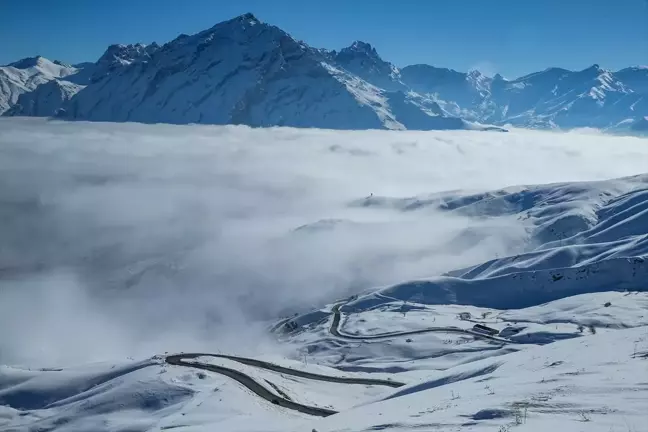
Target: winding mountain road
<point>336,330</point>
<point>309,375</point>
<point>249,383</point>
<point>260,390</point>
<point>283,400</point>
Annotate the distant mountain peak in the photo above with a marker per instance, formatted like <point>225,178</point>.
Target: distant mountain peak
<point>118,55</point>
<point>28,62</point>
<point>122,54</point>
<point>237,27</point>
<point>249,16</point>
<point>364,54</point>
<point>362,59</point>
<point>360,47</point>
<point>245,19</point>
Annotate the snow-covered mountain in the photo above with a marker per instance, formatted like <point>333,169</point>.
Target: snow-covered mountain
<point>119,55</point>
<point>555,97</point>
<point>38,87</point>
<point>246,72</point>
<point>27,75</point>
<point>362,59</point>
<point>243,71</point>
<point>45,100</point>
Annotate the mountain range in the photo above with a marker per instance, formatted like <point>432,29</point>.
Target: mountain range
<point>244,71</point>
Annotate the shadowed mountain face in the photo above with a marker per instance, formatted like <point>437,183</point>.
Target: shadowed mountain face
<point>243,71</point>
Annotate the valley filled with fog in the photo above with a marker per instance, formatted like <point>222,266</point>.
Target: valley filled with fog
<point>132,240</point>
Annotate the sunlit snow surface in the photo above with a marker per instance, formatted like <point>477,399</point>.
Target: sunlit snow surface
<point>122,242</point>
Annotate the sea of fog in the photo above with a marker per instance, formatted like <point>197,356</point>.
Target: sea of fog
<point>131,240</point>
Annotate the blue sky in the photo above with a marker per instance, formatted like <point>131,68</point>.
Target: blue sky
<point>512,37</point>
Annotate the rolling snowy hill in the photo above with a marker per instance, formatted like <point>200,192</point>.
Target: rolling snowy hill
<point>244,71</point>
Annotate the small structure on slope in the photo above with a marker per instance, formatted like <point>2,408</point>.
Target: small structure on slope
<point>480,328</point>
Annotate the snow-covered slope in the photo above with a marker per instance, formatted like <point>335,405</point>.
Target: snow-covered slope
<point>594,383</point>
<point>591,373</point>
<point>119,55</point>
<point>455,91</point>
<point>39,87</point>
<point>362,60</point>
<point>26,75</point>
<point>585,237</point>
<point>45,100</point>
<point>586,249</point>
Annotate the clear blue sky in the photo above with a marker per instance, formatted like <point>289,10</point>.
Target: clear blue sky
<point>512,37</point>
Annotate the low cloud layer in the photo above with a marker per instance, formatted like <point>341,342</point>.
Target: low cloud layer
<point>126,239</point>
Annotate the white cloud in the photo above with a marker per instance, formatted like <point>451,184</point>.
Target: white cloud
<point>130,239</point>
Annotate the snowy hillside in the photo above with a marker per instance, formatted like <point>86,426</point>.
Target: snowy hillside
<point>26,75</point>
<point>583,237</point>
<point>244,71</point>
<point>118,56</point>
<point>590,381</point>
<point>38,87</point>
<point>45,100</point>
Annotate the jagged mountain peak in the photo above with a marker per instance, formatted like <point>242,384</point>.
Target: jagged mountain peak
<point>126,53</point>
<point>119,55</point>
<point>245,29</point>
<point>248,17</point>
<point>360,46</point>
<point>362,59</point>
<point>241,22</point>
<point>359,49</point>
